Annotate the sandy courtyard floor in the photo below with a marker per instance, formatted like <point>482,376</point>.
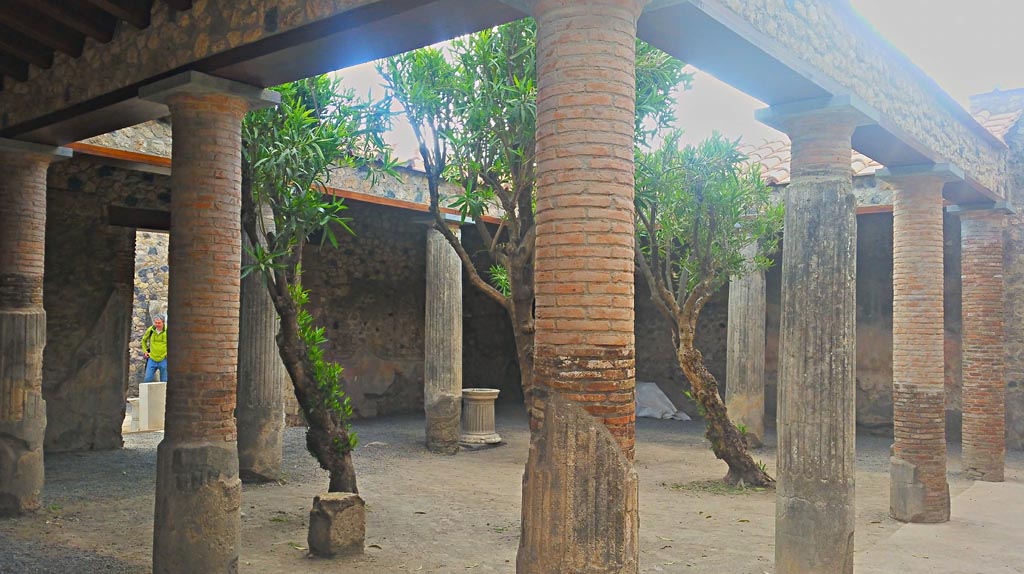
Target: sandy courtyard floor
<point>429,513</point>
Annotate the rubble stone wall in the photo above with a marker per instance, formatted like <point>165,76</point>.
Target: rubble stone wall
<point>88,300</point>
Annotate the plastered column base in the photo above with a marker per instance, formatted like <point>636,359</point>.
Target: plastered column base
<point>197,527</point>
<point>22,410</point>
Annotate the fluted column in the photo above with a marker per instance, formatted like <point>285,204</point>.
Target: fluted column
<point>919,491</point>
<point>197,523</point>
<point>580,488</point>
<point>814,516</point>
<point>984,379</point>
<point>22,322</point>
<point>442,365</point>
<point>745,344</point>
<point>262,379</point>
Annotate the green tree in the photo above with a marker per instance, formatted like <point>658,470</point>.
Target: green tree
<point>474,113</point>
<point>287,155</point>
<point>697,209</point>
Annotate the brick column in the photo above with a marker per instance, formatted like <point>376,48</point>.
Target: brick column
<point>22,322</point>
<point>984,381</point>
<point>442,364</point>
<point>579,490</point>
<point>262,379</point>
<point>919,491</point>
<point>744,367</point>
<point>198,492</point>
<point>814,516</point>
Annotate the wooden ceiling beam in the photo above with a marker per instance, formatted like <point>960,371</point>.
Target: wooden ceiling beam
<point>180,5</point>
<point>25,48</point>
<point>13,67</point>
<point>135,12</point>
<point>43,29</point>
<point>78,15</point>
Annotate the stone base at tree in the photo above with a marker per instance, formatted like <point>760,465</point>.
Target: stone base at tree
<point>337,525</point>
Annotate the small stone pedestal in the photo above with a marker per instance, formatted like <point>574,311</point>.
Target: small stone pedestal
<point>478,417</point>
<point>337,524</point>
<point>152,406</point>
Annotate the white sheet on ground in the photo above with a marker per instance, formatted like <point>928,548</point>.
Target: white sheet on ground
<point>651,402</point>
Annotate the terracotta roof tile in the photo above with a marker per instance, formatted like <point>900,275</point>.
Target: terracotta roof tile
<point>998,124</point>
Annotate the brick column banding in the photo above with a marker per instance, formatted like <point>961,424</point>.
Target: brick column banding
<point>197,523</point>
<point>984,381</point>
<point>919,491</point>
<point>584,342</point>
<point>814,516</point>
<point>23,170</point>
<point>442,365</point>
<point>745,344</point>
<point>262,379</point>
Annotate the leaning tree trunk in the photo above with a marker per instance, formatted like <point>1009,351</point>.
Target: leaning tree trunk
<point>726,441</point>
<point>327,438</point>
<point>521,314</point>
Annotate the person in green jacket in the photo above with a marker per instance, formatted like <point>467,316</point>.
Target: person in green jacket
<point>154,346</point>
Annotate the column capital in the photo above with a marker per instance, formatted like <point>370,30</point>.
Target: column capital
<point>192,82</point>
<point>921,174</point>
<point>18,146</point>
<point>794,117</point>
<point>981,210</point>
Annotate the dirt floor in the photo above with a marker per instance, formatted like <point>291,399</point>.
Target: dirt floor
<point>429,513</point>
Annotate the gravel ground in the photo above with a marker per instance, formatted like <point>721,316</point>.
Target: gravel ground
<point>427,513</point>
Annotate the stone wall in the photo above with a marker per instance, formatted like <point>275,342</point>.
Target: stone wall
<point>369,294</point>
<point>88,300</point>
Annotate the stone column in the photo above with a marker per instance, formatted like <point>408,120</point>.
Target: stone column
<point>814,516</point>
<point>22,322</point>
<point>744,367</point>
<point>262,379</point>
<point>442,361</point>
<point>197,523</point>
<point>919,491</point>
<point>580,488</point>
<point>984,382</point>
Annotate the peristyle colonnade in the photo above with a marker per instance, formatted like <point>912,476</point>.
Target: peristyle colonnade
<point>580,511</point>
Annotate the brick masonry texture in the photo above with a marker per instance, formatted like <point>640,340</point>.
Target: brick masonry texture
<point>918,341</point>
<point>584,261</point>
<point>983,353</point>
<point>205,258</point>
<point>22,229</point>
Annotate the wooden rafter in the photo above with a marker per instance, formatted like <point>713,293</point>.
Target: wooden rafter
<point>135,12</point>
<point>13,67</point>
<point>79,15</point>
<point>42,29</point>
<point>25,48</point>
<point>180,5</point>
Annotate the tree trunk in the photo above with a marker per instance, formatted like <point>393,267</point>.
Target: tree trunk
<point>521,313</point>
<point>326,438</point>
<point>726,441</point>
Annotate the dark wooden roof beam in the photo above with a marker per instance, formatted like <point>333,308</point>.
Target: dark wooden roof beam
<point>78,15</point>
<point>13,67</point>
<point>25,48</point>
<point>43,29</point>
<point>180,5</point>
<point>135,12</point>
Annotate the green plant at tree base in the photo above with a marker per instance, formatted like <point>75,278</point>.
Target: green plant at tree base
<point>288,154</point>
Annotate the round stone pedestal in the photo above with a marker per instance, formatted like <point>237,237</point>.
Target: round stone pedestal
<point>478,416</point>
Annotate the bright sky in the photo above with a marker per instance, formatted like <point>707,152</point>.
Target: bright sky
<point>967,47</point>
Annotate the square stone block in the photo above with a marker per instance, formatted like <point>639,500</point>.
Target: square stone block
<point>152,404</point>
<point>337,524</point>
<point>134,416</point>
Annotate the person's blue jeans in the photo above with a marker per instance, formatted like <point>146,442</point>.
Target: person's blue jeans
<point>153,366</point>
